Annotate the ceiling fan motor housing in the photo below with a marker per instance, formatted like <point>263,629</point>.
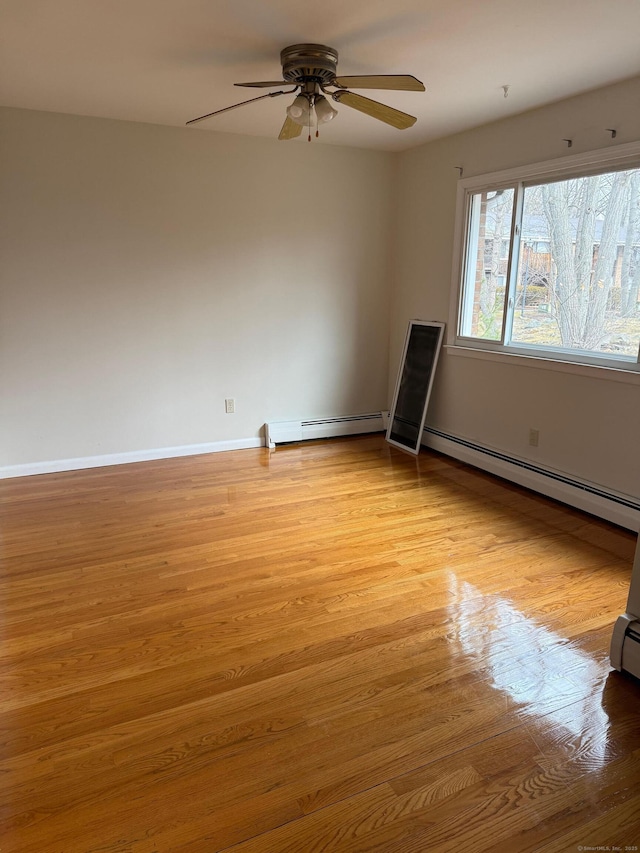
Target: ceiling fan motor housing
<point>305,63</point>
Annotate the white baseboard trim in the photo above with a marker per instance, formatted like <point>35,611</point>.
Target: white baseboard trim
<point>623,510</point>
<point>81,462</point>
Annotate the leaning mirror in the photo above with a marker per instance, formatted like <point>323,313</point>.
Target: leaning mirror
<point>413,387</point>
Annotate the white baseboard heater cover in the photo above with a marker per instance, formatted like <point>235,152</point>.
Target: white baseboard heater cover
<point>285,432</point>
<point>623,510</point>
<point>625,643</point>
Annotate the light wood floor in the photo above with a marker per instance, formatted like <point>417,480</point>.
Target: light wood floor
<point>329,647</point>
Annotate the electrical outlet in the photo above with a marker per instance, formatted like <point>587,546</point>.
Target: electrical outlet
<point>230,406</point>
<point>534,437</point>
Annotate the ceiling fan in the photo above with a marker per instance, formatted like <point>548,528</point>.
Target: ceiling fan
<point>312,70</point>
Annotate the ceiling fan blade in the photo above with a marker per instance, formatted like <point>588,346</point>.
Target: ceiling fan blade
<point>397,82</point>
<point>391,116</point>
<point>290,129</point>
<point>241,104</point>
<point>264,84</point>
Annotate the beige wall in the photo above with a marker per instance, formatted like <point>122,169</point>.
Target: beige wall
<point>589,427</point>
<point>149,272</point>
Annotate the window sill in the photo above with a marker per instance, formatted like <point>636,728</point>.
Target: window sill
<point>595,371</point>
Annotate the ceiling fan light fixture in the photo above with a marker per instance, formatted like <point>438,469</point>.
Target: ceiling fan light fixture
<point>312,69</point>
<point>300,110</point>
<point>324,111</point>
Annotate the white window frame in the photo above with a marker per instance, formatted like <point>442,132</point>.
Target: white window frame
<point>571,166</point>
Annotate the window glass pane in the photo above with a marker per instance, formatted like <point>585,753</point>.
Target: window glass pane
<point>579,265</point>
<point>488,246</point>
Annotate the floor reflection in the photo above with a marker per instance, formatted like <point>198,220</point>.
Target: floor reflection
<point>545,676</point>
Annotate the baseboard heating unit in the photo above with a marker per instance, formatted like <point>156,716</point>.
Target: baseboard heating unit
<point>625,643</point>
<point>286,432</point>
<point>620,509</point>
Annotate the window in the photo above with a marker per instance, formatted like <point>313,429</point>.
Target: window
<point>551,263</point>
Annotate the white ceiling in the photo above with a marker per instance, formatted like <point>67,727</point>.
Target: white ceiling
<point>166,61</point>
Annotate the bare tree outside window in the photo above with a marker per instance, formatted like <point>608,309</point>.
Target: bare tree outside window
<point>576,267</point>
